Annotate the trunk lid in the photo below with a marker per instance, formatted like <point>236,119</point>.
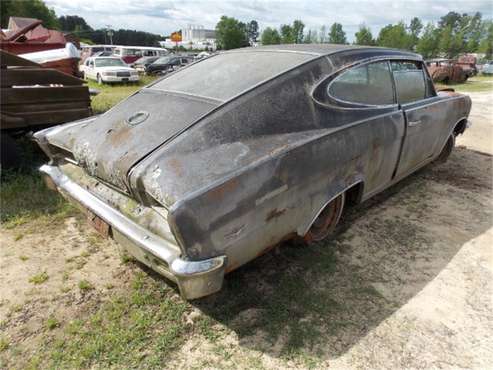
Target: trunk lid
<point>114,142</point>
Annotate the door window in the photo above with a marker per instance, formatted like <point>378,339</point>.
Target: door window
<point>369,84</point>
<point>409,81</point>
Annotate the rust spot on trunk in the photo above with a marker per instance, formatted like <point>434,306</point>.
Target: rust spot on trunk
<point>117,136</point>
<point>219,191</point>
<point>275,213</point>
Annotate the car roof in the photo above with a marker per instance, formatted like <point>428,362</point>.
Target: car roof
<point>322,49</point>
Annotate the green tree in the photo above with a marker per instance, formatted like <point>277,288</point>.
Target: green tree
<point>73,23</point>
<point>486,44</point>
<point>428,44</point>
<point>252,31</point>
<point>473,29</point>
<point>270,36</point>
<point>298,27</point>
<point>337,34</point>
<point>415,28</point>
<point>231,33</point>
<point>29,9</point>
<point>451,43</point>
<point>364,36</point>
<point>394,36</point>
<point>287,34</point>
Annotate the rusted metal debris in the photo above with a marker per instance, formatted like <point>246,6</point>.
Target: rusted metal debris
<point>34,98</point>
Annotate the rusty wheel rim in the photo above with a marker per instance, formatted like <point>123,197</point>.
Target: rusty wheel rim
<point>326,221</point>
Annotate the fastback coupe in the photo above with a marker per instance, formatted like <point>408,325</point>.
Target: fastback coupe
<point>210,166</point>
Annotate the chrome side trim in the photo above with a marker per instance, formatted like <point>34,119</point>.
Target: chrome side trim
<point>195,279</point>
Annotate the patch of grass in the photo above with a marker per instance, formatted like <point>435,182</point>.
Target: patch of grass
<point>131,333</point>
<point>473,84</point>
<point>109,95</point>
<point>39,278</point>
<point>52,323</point>
<point>23,258</point>
<point>24,197</point>
<point>85,286</point>
<point>18,237</point>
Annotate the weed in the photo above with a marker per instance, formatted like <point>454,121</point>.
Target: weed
<point>52,323</point>
<point>23,258</point>
<point>4,344</point>
<point>39,278</point>
<point>84,285</point>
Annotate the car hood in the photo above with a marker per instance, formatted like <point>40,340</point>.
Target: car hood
<point>110,145</point>
<point>115,69</point>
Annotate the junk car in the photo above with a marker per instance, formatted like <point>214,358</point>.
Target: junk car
<point>212,165</point>
<point>446,71</point>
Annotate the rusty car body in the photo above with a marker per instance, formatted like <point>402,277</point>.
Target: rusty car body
<point>207,168</point>
<point>446,71</point>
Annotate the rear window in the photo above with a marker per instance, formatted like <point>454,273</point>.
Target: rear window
<point>226,75</point>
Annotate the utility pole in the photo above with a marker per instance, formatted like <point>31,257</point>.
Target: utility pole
<point>110,33</point>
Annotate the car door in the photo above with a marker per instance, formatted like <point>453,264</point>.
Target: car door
<point>424,117</point>
<point>365,94</point>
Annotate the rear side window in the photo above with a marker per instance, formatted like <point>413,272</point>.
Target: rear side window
<point>369,84</point>
<point>409,81</point>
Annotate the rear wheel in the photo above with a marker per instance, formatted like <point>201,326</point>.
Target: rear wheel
<point>326,221</point>
<point>447,149</point>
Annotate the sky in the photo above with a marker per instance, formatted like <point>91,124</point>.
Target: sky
<point>163,16</point>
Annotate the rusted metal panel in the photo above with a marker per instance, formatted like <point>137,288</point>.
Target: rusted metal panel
<point>39,76</point>
<point>33,98</point>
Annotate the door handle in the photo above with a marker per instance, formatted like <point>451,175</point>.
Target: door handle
<point>414,123</point>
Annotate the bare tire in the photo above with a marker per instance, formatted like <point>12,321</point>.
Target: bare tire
<point>447,149</point>
<point>326,221</point>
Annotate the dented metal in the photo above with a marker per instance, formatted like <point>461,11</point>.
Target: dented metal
<point>239,164</point>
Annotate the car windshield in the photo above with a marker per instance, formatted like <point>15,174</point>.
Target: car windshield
<point>162,60</point>
<point>225,75</point>
<point>110,62</point>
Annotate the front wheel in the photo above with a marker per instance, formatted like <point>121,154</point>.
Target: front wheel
<point>100,80</point>
<point>325,223</point>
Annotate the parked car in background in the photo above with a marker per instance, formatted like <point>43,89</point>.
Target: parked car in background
<point>142,63</point>
<point>487,68</point>
<point>166,64</point>
<point>211,166</point>
<point>445,71</point>
<point>108,70</point>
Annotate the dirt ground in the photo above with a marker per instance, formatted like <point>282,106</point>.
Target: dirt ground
<point>407,283</point>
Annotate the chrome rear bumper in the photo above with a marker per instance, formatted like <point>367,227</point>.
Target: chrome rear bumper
<point>195,279</point>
